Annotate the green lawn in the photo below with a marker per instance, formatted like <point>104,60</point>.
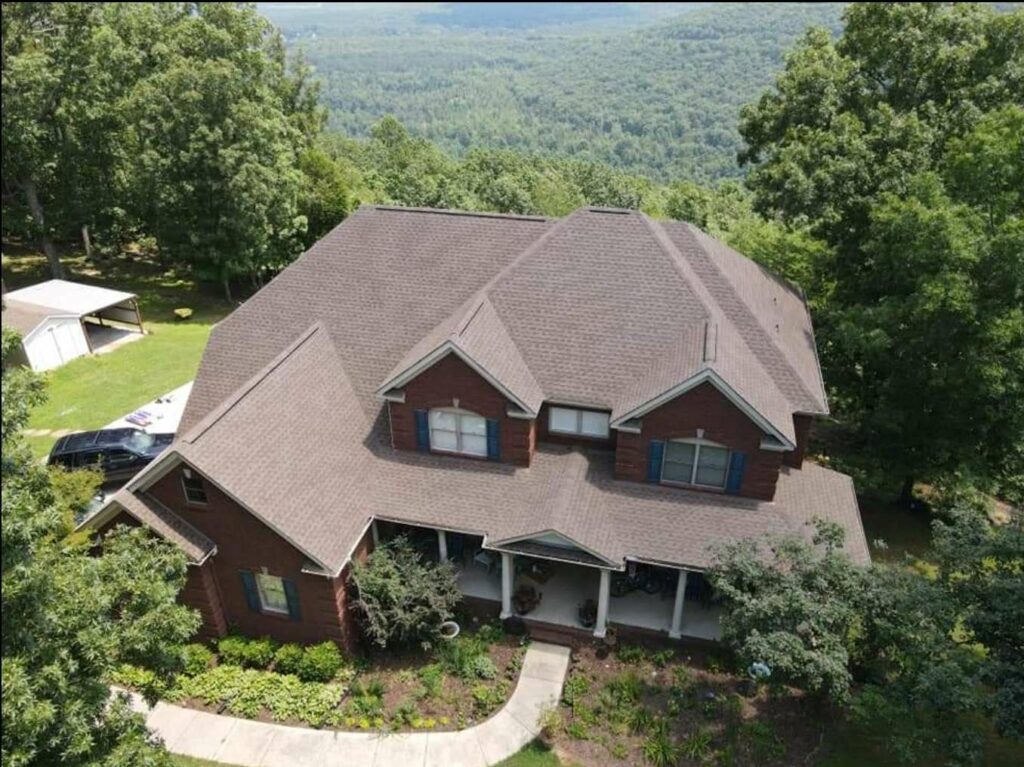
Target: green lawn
<point>90,392</point>
<point>535,754</point>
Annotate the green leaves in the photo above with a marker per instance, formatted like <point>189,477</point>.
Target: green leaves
<point>72,616</point>
<point>899,146</point>
<point>403,598</point>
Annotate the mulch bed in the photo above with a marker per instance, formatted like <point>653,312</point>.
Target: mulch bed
<point>690,696</point>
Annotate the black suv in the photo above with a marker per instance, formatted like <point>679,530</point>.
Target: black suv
<point>120,453</point>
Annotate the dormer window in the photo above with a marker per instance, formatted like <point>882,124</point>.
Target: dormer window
<point>458,431</point>
<point>580,423</point>
<point>695,462</point>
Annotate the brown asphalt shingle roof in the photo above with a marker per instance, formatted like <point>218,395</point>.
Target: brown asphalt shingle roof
<point>164,523</point>
<point>602,308</point>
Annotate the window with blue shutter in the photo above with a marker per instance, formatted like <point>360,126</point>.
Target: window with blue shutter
<point>252,596</point>
<point>292,595</point>
<point>493,440</point>
<point>737,463</point>
<point>422,430</point>
<point>655,453</point>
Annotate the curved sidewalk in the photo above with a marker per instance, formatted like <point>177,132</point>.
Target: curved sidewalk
<point>258,744</point>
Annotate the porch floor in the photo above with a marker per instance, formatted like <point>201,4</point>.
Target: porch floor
<point>570,585</point>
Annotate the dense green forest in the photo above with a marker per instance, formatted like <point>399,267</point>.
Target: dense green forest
<point>654,97</point>
<point>884,172</point>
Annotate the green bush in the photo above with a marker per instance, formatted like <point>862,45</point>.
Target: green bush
<point>403,598</point>
<point>140,679</point>
<point>459,656</point>
<point>250,653</point>
<point>659,749</point>
<point>196,658</point>
<point>484,668</point>
<point>288,658</point>
<point>576,686</point>
<point>763,743</point>
<point>630,653</point>
<point>697,746</point>
<point>320,662</point>
<point>248,692</point>
<point>432,679</point>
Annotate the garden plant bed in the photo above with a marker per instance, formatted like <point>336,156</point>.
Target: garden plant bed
<point>458,684</point>
<point>676,706</point>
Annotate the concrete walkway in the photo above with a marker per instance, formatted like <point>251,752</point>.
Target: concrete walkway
<point>258,744</point>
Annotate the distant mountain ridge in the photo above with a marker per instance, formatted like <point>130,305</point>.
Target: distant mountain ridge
<point>660,99</point>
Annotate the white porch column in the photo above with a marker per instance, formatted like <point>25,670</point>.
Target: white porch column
<point>601,626</point>
<point>375,534</point>
<point>507,576</point>
<point>677,610</point>
<point>442,546</point>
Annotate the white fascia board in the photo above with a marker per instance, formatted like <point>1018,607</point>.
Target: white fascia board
<point>434,357</point>
<point>609,566</point>
<point>710,376</point>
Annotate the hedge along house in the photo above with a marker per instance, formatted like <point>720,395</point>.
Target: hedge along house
<point>549,403</point>
<point>59,320</point>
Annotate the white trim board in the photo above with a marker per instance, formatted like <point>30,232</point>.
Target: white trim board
<point>429,360</point>
<point>709,376</point>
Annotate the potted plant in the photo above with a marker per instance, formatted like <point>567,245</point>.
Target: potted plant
<point>525,599</point>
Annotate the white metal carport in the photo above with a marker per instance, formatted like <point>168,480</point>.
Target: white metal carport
<point>57,319</point>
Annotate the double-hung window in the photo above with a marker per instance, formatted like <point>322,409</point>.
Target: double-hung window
<point>273,598</point>
<point>695,462</point>
<point>583,423</point>
<point>194,487</point>
<point>458,431</point>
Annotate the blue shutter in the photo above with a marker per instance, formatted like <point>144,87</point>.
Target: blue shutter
<point>737,463</point>
<point>493,440</point>
<point>422,430</point>
<point>292,594</point>
<point>252,596</point>
<point>655,453</point>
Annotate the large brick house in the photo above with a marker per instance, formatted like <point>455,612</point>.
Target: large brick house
<point>546,402</point>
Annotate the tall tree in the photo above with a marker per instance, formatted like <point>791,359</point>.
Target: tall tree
<point>867,140</point>
<point>217,149</point>
<point>70,617</point>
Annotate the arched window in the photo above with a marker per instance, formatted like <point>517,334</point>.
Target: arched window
<point>453,430</point>
<point>695,462</point>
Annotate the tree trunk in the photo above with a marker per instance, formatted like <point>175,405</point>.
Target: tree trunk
<point>227,288</point>
<point>32,196</point>
<point>906,499</point>
<point>86,241</point>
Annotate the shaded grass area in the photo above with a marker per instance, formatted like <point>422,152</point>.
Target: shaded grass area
<point>90,392</point>
<point>904,531</point>
<point>535,754</point>
<point>852,747</point>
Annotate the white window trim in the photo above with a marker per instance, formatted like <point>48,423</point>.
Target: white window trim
<point>579,422</point>
<point>189,474</point>
<point>697,442</point>
<point>264,606</point>
<point>458,413</point>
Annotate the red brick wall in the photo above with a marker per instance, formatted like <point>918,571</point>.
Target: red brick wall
<point>701,408</point>
<point>245,543</point>
<point>202,593</point>
<point>802,426</point>
<point>451,378</point>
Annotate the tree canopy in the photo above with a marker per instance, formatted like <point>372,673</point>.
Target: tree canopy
<point>899,146</point>
<point>71,616</point>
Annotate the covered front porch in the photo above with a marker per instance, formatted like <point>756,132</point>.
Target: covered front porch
<point>552,590</point>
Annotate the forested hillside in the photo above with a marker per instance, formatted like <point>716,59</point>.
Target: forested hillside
<point>654,97</point>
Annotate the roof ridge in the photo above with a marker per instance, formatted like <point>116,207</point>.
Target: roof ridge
<point>240,393</point>
<point>698,236</point>
<point>455,212</point>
